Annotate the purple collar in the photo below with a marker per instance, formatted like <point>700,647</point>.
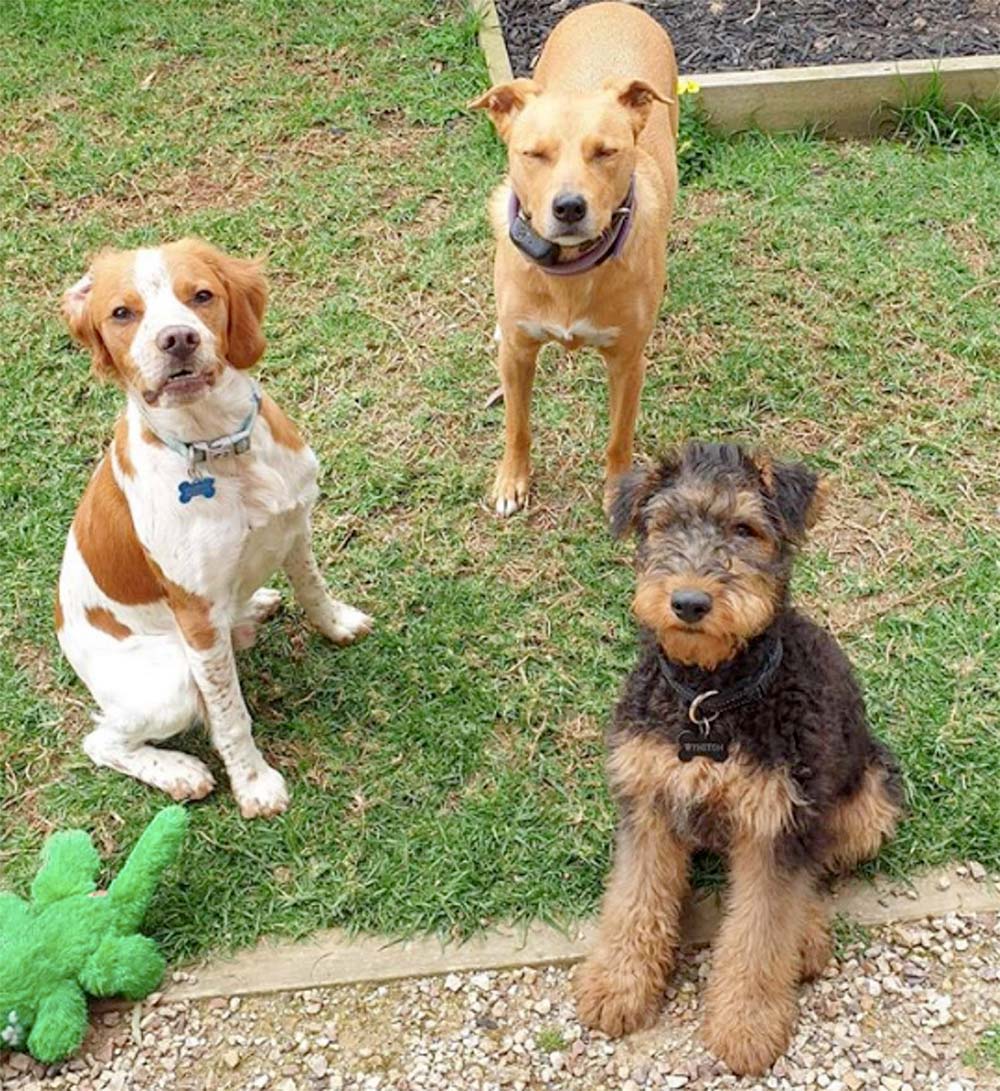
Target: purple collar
<point>545,254</point>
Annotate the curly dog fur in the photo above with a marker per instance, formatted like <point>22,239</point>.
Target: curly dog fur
<point>806,788</point>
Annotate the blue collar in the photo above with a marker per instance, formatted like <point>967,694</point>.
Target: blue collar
<point>204,450</point>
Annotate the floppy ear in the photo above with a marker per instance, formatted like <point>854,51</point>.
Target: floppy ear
<point>799,493</point>
<point>631,491</point>
<point>504,102</point>
<point>76,311</point>
<point>246,289</point>
<point>636,96</point>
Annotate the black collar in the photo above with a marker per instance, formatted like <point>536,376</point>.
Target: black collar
<point>702,706</point>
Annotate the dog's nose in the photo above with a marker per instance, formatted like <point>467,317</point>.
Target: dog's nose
<point>569,208</point>
<point>690,605</point>
<point>179,341</point>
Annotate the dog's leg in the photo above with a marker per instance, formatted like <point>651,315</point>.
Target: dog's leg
<point>259,789</point>
<point>337,621</point>
<point>817,945</point>
<point>147,695</point>
<point>518,360</point>
<point>751,1001</point>
<point>626,374</point>
<point>620,986</point>
<point>860,824</point>
<point>181,776</point>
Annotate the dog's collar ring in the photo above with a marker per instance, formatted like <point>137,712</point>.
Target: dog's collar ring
<point>700,718</point>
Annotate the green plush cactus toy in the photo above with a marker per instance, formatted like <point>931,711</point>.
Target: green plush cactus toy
<point>71,940</point>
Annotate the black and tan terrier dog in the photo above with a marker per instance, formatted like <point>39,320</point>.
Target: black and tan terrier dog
<point>741,730</point>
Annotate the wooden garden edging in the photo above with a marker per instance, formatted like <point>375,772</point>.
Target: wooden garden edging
<point>843,100</point>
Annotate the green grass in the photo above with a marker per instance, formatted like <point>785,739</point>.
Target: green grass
<point>831,301</point>
<point>985,1055</point>
<point>847,935</point>
<point>550,1040</point>
<point>930,121</point>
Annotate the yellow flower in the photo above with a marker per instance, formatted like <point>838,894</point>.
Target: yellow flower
<point>688,87</point>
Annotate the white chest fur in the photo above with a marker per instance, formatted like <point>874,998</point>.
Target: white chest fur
<point>582,332</point>
<point>236,537</point>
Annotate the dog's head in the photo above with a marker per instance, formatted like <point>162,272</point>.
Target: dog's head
<point>571,155</point>
<point>717,530</point>
<point>165,321</point>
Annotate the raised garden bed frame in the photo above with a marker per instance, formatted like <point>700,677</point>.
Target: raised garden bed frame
<point>841,100</point>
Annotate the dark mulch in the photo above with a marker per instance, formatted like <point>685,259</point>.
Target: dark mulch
<point>715,35</point>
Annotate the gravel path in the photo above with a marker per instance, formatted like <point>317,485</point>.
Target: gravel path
<point>715,35</point>
<point>895,1012</point>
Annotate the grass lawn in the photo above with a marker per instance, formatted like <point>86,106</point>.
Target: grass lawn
<point>836,302</point>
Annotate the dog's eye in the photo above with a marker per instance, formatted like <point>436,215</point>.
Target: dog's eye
<point>605,153</point>
<point>121,314</point>
<point>204,296</point>
<point>535,153</point>
<point>745,530</point>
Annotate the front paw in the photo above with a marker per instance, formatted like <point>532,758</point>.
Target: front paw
<point>617,996</point>
<point>346,625</point>
<point>749,1036</point>
<point>816,950</point>
<point>183,777</point>
<point>261,794</point>
<point>510,490</point>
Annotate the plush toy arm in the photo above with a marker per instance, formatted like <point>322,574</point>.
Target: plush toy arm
<point>14,914</point>
<point>69,864</point>
<point>60,1025</point>
<point>129,966</point>
<point>133,889</point>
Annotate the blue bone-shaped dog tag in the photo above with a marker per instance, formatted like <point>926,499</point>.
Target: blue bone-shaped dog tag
<point>204,486</point>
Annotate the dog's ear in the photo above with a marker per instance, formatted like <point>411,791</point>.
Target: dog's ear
<point>76,309</point>
<point>247,290</point>
<point>246,298</point>
<point>504,102</point>
<point>636,96</point>
<point>799,493</point>
<point>633,488</point>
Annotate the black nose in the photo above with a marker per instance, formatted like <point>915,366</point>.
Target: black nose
<point>690,605</point>
<point>569,208</point>
<point>179,341</point>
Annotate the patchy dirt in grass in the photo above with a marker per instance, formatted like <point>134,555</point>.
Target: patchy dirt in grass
<point>971,247</point>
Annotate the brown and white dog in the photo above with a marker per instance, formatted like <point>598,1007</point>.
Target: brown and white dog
<point>581,219</point>
<point>163,570</point>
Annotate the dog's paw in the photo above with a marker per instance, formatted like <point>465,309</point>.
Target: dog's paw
<point>344,624</point>
<point>185,778</point>
<point>815,950</point>
<point>749,1037</point>
<point>510,490</point>
<point>616,999</point>
<point>262,794</point>
<point>263,604</point>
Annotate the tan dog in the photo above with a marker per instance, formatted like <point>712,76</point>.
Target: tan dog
<point>581,219</point>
